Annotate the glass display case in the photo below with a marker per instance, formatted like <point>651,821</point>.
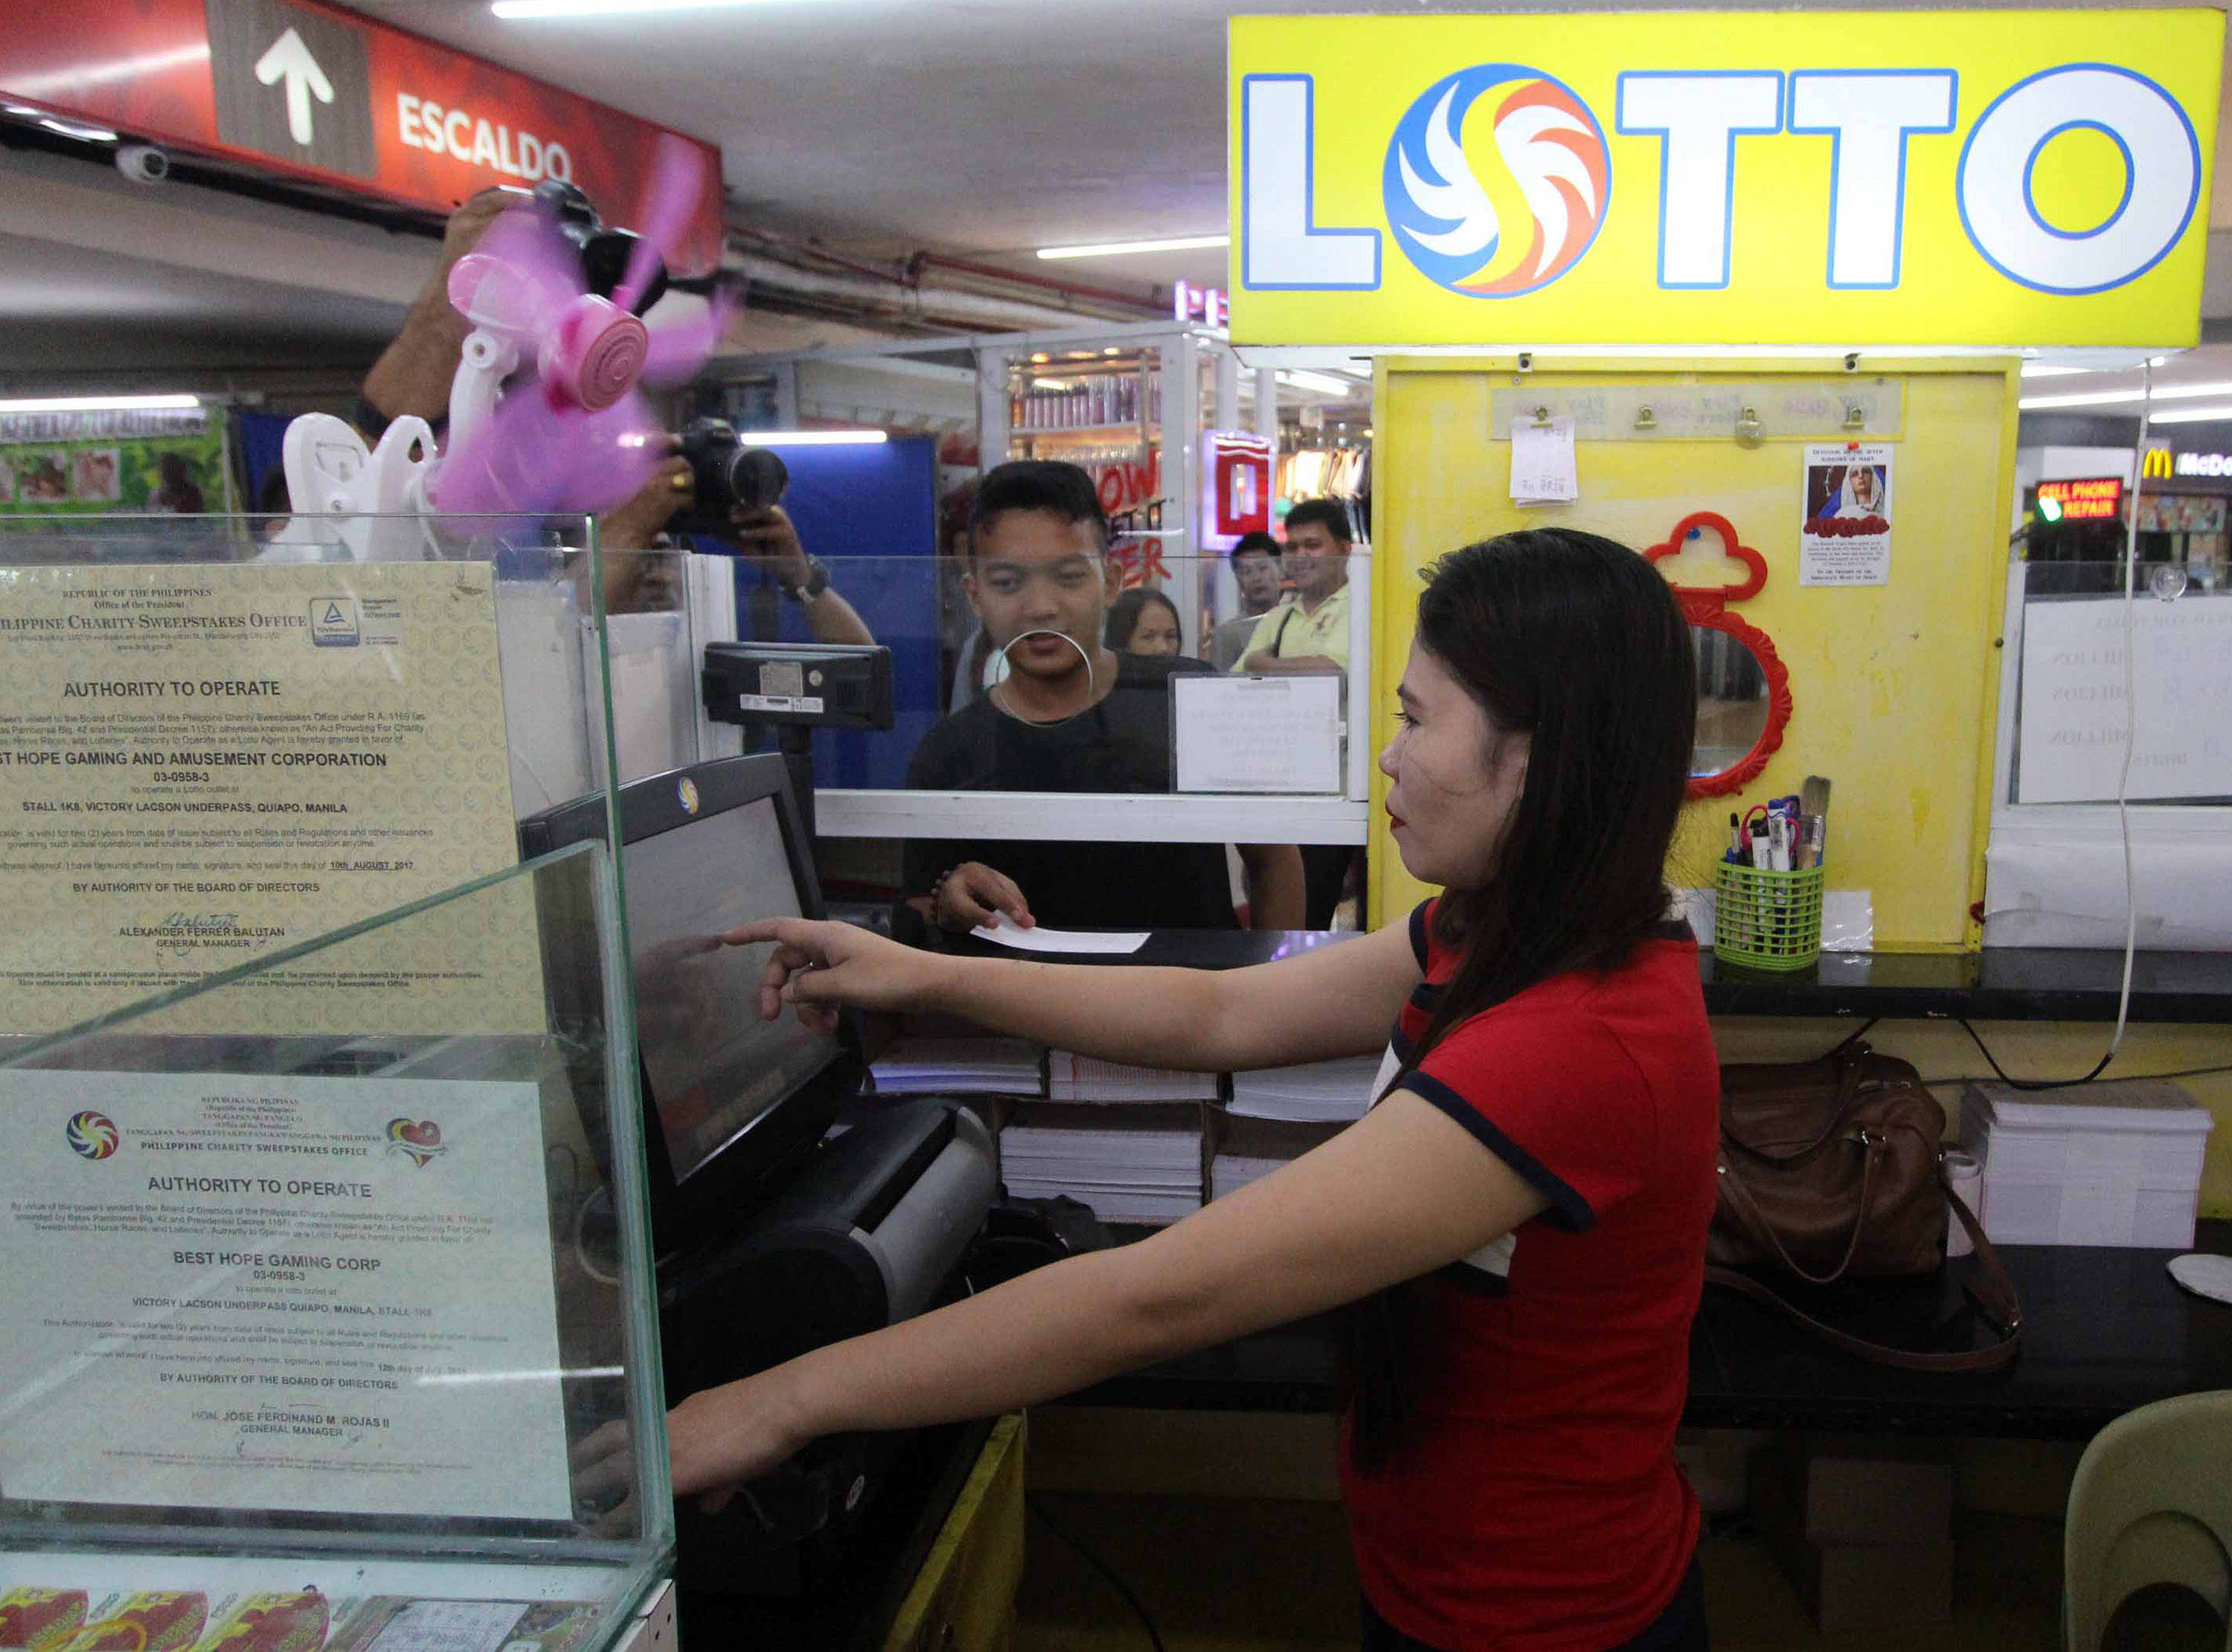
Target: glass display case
<point>329,1294</point>
<point>338,1338</point>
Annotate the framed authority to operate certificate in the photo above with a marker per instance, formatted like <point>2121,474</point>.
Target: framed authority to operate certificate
<point>244,1291</point>
<point>203,763</point>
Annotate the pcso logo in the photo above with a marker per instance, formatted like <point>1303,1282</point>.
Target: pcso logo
<point>92,1136</point>
<point>418,1140</point>
<point>1514,208</point>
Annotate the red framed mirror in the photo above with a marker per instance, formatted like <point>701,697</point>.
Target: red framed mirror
<point>1744,689</point>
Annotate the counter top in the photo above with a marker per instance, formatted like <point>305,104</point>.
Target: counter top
<point>2004,984</point>
<point>1999,984</point>
<point>2106,1329</point>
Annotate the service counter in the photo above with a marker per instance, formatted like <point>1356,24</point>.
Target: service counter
<point>2005,984</point>
<point>2105,1329</point>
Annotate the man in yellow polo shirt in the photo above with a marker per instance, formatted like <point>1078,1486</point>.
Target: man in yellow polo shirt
<point>1309,632</point>
<point>1309,635</point>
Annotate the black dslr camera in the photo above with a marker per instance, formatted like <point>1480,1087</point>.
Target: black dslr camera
<point>604,253</point>
<point>729,475</point>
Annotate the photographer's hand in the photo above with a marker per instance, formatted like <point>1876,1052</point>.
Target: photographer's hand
<point>766,535</point>
<point>413,374</point>
<point>633,525</point>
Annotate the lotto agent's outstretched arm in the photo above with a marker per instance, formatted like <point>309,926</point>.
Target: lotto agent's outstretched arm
<point>1398,1194</point>
<point>1334,1002</point>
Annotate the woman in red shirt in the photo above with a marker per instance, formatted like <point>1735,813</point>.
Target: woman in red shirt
<point>1520,1219</point>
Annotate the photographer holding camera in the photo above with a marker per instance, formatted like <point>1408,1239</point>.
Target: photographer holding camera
<point>641,579</point>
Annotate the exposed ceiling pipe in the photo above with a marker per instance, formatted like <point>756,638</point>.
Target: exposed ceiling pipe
<point>791,248</point>
<point>934,306</point>
<point>807,253</point>
<point>922,261</point>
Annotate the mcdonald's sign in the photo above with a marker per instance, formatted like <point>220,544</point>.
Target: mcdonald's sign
<point>2156,462</point>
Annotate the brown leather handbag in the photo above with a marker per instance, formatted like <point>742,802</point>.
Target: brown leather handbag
<point>1829,1170</point>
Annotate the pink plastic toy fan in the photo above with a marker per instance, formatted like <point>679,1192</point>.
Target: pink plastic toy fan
<point>577,435</point>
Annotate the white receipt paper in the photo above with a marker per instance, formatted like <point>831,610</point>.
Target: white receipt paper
<point>1009,933</point>
<point>1543,468</point>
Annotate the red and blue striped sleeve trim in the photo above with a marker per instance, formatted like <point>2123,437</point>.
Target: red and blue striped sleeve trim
<point>1567,1207</point>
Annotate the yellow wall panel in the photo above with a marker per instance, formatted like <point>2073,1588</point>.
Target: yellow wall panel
<point>1894,687</point>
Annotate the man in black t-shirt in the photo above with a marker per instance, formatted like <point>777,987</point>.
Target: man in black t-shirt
<point>1069,715</point>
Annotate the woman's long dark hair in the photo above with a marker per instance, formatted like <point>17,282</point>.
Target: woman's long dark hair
<point>1577,643</point>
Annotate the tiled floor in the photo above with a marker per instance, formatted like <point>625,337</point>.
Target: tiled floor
<point>1240,1576</point>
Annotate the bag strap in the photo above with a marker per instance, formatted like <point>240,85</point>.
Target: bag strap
<point>1762,1231</point>
<point>1993,1293</point>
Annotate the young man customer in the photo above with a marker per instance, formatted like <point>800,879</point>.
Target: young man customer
<point>1069,714</point>
<point>1256,570</point>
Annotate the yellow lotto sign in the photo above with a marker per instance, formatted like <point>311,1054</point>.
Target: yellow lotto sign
<point>1919,178</point>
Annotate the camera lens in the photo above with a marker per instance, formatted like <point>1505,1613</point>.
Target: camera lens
<point>757,478</point>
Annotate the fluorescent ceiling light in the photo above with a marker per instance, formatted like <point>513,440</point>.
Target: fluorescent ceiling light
<point>2048,370</point>
<point>2190,415</point>
<point>99,403</point>
<point>2103,399</point>
<point>2114,398</point>
<point>813,438</point>
<point>518,10</point>
<point>1116,248</point>
<point>1324,383</point>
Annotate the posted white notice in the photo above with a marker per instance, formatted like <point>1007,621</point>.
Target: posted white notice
<point>1264,734</point>
<point>1845,536</point>
<point>326,1295</point>
<point>199,764</point>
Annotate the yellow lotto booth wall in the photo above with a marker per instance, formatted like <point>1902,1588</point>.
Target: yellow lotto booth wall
<point>1893,687</point>
<point>1773,230</point>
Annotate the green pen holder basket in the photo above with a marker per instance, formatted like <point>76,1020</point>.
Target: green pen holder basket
<point>1767,920</point>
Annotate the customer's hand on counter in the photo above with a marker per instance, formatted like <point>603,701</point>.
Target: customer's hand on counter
<point>973,893</point>
<point>818,968</point>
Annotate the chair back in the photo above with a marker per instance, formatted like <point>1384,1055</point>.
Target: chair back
<point>2151,1503</point>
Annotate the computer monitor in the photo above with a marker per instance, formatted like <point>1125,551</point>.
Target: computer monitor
<point>732,1104</point>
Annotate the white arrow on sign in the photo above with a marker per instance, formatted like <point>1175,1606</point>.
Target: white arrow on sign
<point>305,79</point>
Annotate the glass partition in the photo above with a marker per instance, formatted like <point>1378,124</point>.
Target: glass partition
<point>1139,695</point>
<point>2072,710</point>
<point>320,1329</point>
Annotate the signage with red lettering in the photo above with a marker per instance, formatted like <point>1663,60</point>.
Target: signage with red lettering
<point>1236,473</point>
<point>309,91</point>
<point>2092,499</point>
<point>1191,303</point>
